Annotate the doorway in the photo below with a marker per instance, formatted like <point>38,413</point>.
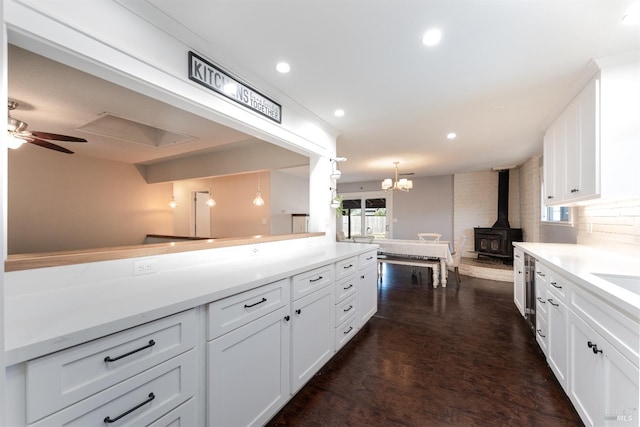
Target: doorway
<point>366,214</point>
<point>200,214</point>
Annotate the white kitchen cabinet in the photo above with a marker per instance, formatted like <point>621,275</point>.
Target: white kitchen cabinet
<point>603,384</point>
<point>542,316</point>
<point>367,287</point>
<point>518,280</point>
<point>248,356</point>
<point>68,376</point>
<point>591,147</point>
<point>346,309</point>
<point>312,335</point>
<point>248,378</point>
<point>557,355</point>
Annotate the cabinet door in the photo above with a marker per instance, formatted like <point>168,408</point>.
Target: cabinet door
<point>312,335</point>
<point>367,294</point>
<point>518,282</point>
<point>248,369</point>
<point>584,386</point>
<point>554,161</point>
<point>583,145</point>
<point>557,338</point>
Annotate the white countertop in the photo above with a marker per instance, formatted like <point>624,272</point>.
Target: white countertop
<point>43,321</point>
<point>579,262</point>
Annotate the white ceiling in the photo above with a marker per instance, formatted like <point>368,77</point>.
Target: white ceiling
<point>502,69</point>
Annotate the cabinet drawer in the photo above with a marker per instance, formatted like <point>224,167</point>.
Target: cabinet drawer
<point>230,313</point>
<point>345,309</point>
<point>619,330</point>
<point>542,331</point>
<point>346,267</point>
<point>60,379</point>
<point>345,288</point>
<point>366,259</point>
<point>345,332</point>
<point>140,400</point>
<point>541,304</point>
<point>310,281</point>
<point>183,415</point>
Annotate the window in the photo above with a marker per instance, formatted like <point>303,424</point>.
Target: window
<point>556,214</point>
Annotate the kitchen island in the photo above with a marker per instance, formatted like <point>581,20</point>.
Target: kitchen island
<point>88,341</point>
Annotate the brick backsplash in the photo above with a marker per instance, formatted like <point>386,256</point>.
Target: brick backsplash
<point>613,224</point>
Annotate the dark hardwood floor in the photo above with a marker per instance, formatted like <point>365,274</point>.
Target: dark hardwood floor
<point>458,356</point>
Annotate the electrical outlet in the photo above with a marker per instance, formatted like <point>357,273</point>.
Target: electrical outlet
<point>145,266</point>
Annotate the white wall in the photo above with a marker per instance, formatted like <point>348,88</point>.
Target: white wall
<point>289,195</point>
<point>65,202</point>
<point>427,208</point>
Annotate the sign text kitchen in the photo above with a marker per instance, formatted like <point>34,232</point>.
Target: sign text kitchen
<point>212,77</point>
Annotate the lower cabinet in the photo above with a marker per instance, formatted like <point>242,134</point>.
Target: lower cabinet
<point>248,369</point>
<point>518,280</point>
<point>603,384</point>
<point>557,337</point>
<point>312,335</point>
<point>367,293</point>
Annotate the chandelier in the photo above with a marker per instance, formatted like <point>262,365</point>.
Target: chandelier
<point>397,185</point>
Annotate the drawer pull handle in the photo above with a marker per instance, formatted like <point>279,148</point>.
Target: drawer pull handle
<point>541,300</point>
<point>110,420</point>
<point>315,280</point>
<point>348,309</point>
<point>552,303</point>
<point>369,258</point>
<point>348,330</point>
<point>347,266</point>
<point>593,347</point>
<point>348,287</point>
<point>555,285</point>
<point>110,359</point>
<point>540,273</point>
<point>254,304</point>
<point>539,331</point>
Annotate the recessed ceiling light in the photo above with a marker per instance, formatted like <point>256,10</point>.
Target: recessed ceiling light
<point>451,135</point>
<point>432,37</point>
<point>338,113</point>
<point>283,67</point>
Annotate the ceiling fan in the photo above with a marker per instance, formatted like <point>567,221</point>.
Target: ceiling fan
<point>18,130</point>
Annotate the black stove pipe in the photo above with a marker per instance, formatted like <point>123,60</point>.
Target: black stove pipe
<point>503,200</point>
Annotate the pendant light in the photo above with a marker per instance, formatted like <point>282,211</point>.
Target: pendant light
<point>172,203</point>
<point>397,185</point>
<point>258,201</point>
<point>210,202</point>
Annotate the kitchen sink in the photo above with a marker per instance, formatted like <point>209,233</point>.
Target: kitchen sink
<point>630,283</point>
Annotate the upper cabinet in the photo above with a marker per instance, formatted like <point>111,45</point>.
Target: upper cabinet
<point>591,147</point>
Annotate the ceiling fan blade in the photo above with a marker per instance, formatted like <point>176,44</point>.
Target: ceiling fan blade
<point>56,137</point>
<point>47,144</point>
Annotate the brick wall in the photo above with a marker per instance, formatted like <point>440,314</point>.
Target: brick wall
<point>475,203</point>
<point>530,199</point>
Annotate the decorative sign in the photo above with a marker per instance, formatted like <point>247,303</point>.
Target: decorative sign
<point>212,77</point>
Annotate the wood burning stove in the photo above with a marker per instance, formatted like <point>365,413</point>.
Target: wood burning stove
<point>497,241</point>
